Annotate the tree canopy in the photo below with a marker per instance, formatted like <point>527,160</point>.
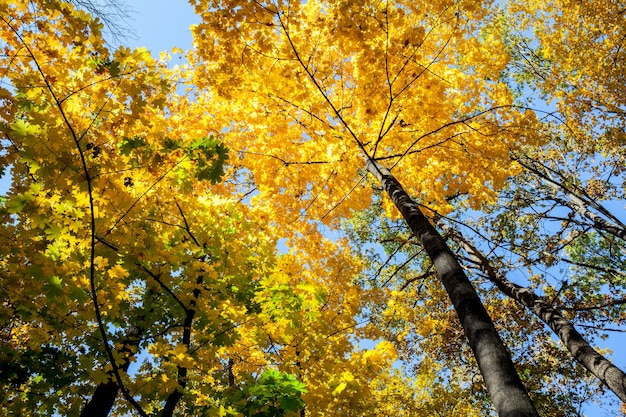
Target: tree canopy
<point>331,208</point>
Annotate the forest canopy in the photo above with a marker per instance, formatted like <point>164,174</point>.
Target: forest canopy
<point>346,208</point>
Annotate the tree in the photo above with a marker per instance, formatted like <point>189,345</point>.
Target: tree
<point>113,230</point>
<point>553,222</point>
<point>335,83</point>
<point>501,379</point>
<point>561,218</point>
<point>580,348</point>
<point>413,315</point>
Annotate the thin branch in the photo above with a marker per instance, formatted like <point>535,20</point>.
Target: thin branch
<point>167,289</point>
<point>611,303</point>
<point>287,163</point>
<point>92,226</point>
<point>187,229</point>
<point>429,273</point>
<point>319,87</point>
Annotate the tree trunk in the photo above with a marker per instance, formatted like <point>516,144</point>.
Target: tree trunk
<point>172,400</point>
<point>105,394</point>
<point>103,398</point>
<point>613,377</point>
<point>505,388</point>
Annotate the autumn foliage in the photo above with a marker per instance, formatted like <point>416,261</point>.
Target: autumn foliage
<point>205,239</point>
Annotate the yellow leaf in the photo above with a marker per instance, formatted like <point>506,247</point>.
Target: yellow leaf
<point>117,271</point>
<point>342,386</point>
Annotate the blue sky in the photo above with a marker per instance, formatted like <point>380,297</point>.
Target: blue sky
<point>161,24</point>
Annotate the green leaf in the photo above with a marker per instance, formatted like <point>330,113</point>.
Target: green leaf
<point>114,69</point>
<point>23,129</point>
<point>273,394</point>
<point>17,203</point>
<point>23,102</point>
<point>53,287</point>
<point>171,144</point>
<point>210,156</point>
<point>129,144</point>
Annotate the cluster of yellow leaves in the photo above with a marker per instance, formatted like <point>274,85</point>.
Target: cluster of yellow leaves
<point>309,309</point>
<point>312,86</point>
<point>402,396</point>
<point>101,149</point>
<point>106,226</point>
<point>315,86</point>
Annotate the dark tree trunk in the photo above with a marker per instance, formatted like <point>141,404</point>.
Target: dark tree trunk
<point>508,395</point>
<point>103,398</point>
<point>105,394</point>
<point>613,377</point>
<point>172,400</point>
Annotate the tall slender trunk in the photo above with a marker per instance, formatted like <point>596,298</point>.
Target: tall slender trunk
<point>613,377</point>
<point>508,395</point>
